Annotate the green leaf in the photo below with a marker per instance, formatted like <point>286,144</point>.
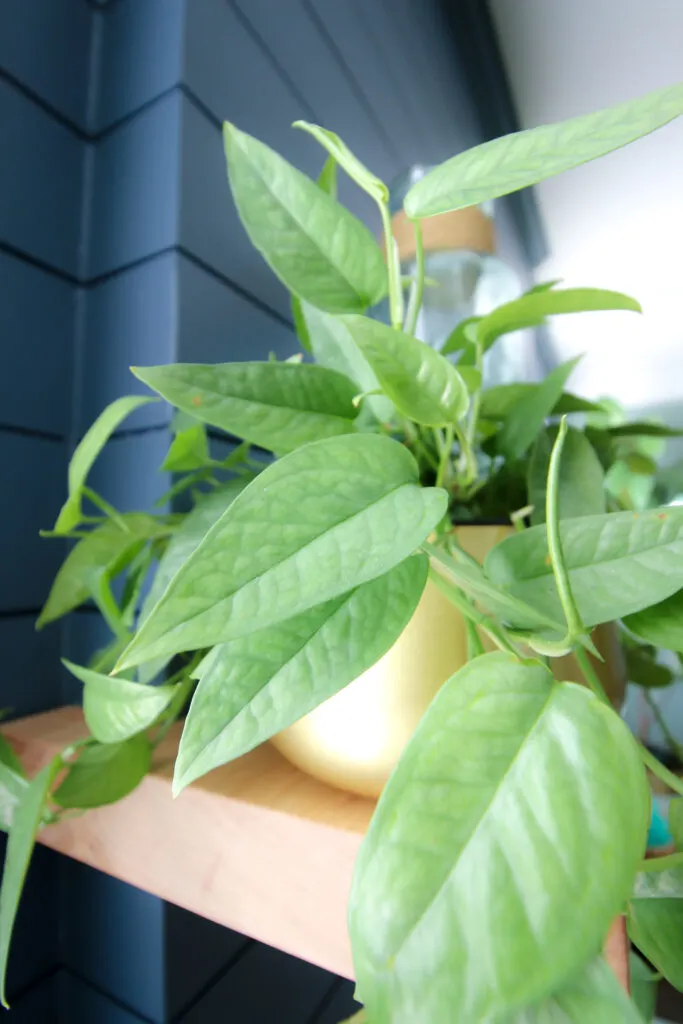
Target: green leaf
<point>104,773</point>
<point>569,403</point>
<point>524,421</point>
<point>116,709</point>
<point>343,156</point>
<point>9,758</point>
<point>643,987</point>
<point>676,822</point>
<point>524,158</point>
<point>13,784</point>
<point>423,385</point>
<point>334,347</point>
<point>27,819</point>
<point>278,406</point>
<point>655,921</point>
<point>256,686</point>
<point>530,310</point>
<point>107,549</point>
<point>582,479</point>
<point>462,337</point>
<point>637,429</point>
<point>189,450</point>
<point>327,179</point>
<point>643,669</point>
<point>300,325</point>
<point>592,996</point>
<point>318,249</point>
<point>618,563</point>
<point>445,917</point>
<point>335,514</point>
<point>87,451</point>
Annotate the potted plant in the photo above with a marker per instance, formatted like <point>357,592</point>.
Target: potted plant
<point>511,833</point>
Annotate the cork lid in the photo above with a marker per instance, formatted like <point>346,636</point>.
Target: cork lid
<point>460,229</point>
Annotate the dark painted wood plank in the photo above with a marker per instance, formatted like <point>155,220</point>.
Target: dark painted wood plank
<point>131,320</point>
<point>134,202</point>
<point>127,472</point>
<point>341,1006</point>
<point>79,1003</point>
<point>39,1004</point>
<point>46,46</point>
<point>41,181</point>
<point>33,472</point>
<point>264,986</point>
<point>217,324</point>
<point>141,53</point>
<point>197,951</point>
<point>37,321</point>
<point>113,938</point>
<point>31,674</point>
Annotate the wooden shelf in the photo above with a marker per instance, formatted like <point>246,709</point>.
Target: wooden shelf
<point>255,845</point>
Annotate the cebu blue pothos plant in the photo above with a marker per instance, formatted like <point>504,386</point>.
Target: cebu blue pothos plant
<point>513,830</point>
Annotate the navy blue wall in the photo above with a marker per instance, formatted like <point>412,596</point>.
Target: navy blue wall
<point>119,244</point>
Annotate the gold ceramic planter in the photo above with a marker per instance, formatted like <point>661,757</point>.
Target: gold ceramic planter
<point>355,738</point>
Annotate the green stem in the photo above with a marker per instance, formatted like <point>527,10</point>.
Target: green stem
<point>417,290</point>
<point>105,507</point>
<point>109,609</point>
<point>470,467</point>
<point>456,549</point>
<point>474,644</point>
<point>654,864</point>
<point>457,598</point>
<point>663,773</point>
<point>590,675</point>
<point>673,743</point>
<point>476,398</point>
<point>393,271</point>
<point>445,457</point>
<point>571,612</point>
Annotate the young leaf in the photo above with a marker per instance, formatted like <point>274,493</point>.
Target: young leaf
<point>592,996</point>
<point>515,161</point>
<point>318,522</point>
<point>105,773</point>
<point>278,406</point>
<point>12,787</point>
<point>655,921</point>
<point>9,758</point>
<point>300,325</point>
<point>530,310</point>
<point>189,450</point>
<point>637,429</point>
<point>462,337</point>
<point>618,563</point>
<point>423,385</point>
<point>107,549</point>
<point>569,403</point>
<point>643,669</point>
<point>582,478</point>
<point>87,451</point>
<point>116,709</point>
<point>334,347</point>
<point>343,156</point>
<point>256,686</point>
<point>525,419</point>
<point>643,987</point>
<point>327,179</point>
<point>660,625</point>
<point>318,249</point>
<point>27,819</point>
<point>445,917</point>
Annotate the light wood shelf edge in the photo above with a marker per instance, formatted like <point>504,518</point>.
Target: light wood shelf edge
<point>256,845</point>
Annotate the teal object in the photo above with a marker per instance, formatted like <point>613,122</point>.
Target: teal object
<point>659,834</point>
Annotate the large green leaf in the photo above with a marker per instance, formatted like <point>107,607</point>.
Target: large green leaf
<point>593,996</point>
<point>28,815</point>
<point>644,670</point>
<point>12,787</point>
<point>638,429</point>
<point>524,420</point>
<point>618,563</point>
<point>582,478</point>
<point>514,161</point>
<point>334,347</point>
<point>189,450</point>
<point>9,758</point>
<point>318,249</point>
<point>662,624</point>
<point>643,987</point>
<point>107,549</point>
<point>87,451</point>
<point>655,921</point>
<point>503,817</point>
<point>318,522</point>
<point>104,773</point>
<point>258,685</point>
<point>423,385</point>
<point>279,406</point>
<point>530,310</point>
<point>497,402</point>
<point>327,181</point>
<point>116,709</point>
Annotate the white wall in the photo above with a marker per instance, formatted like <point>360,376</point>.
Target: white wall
<point>616,223</point>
